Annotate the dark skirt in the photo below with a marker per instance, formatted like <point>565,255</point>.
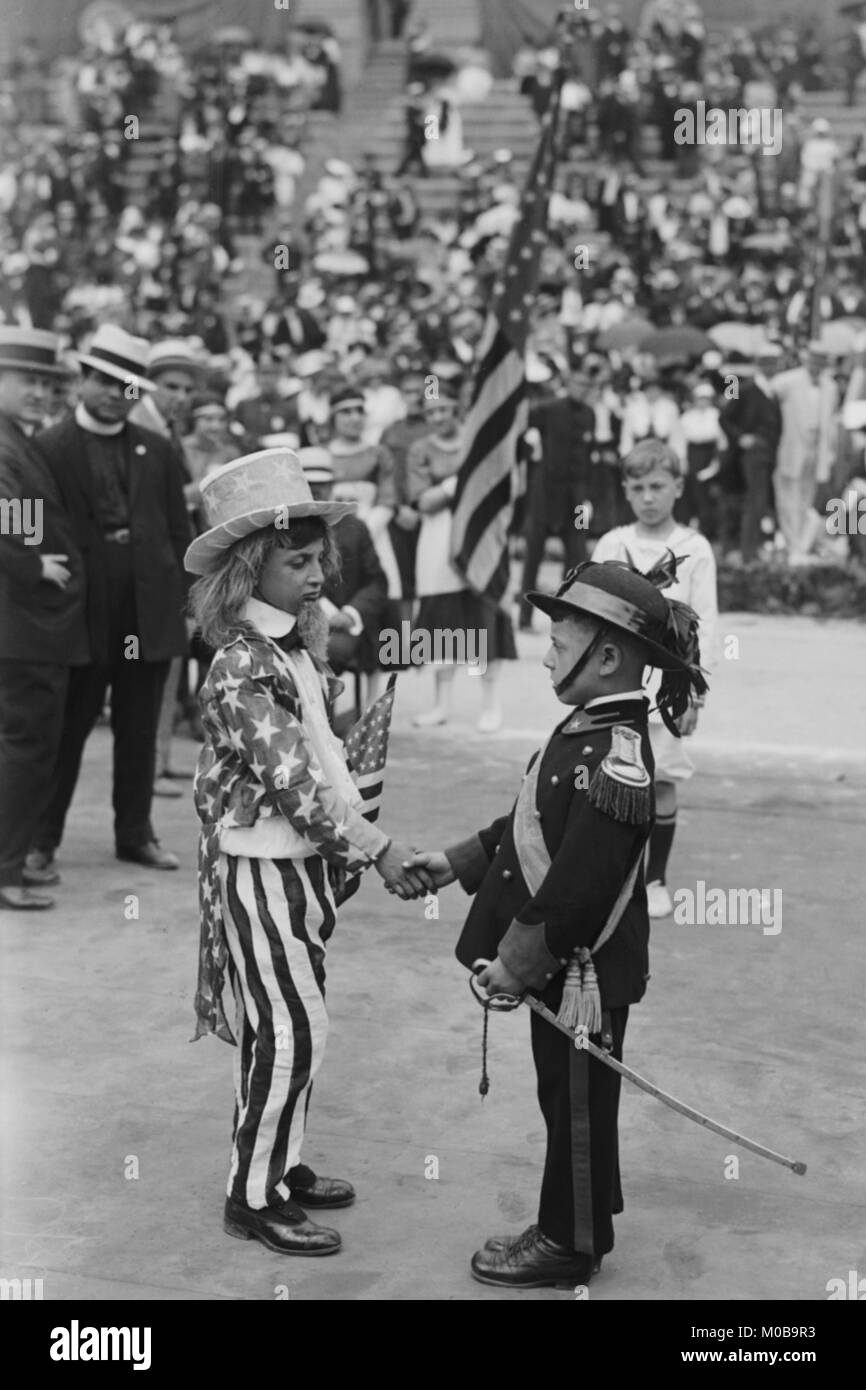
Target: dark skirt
<point>467,614</point>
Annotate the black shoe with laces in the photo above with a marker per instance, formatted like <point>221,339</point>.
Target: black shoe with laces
<point>284,1229</point>
<point>532,1261</point>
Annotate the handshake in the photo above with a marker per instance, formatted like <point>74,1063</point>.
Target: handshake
<point>412,873</point>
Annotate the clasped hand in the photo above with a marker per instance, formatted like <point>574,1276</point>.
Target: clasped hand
<point>411,873</point>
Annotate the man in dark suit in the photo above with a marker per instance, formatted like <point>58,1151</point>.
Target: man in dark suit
<point>284,324</point>
<point>398,440</point>
<point>274,409</point>
<point>560,902</point>
<point>558,483</point>
<point>355,601</point>
<point>752,422</point>
<point>125,486</point>
<point>42,627</point>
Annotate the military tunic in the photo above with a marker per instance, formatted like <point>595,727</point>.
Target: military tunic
<point>591,856</point>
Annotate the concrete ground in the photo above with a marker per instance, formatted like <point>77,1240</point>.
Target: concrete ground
<point>116,1130</point>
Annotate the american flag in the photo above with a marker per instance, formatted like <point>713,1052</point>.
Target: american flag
<point>367,750</point>
<point>488,485</point>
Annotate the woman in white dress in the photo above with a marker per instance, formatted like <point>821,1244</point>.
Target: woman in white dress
<point>481,631</point>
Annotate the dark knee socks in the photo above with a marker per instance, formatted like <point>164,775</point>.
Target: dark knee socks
<point>660,847</point>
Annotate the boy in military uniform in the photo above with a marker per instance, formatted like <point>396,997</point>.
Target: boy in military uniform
<point>560,903</point>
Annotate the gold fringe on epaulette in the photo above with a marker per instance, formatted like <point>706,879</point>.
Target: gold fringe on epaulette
<point>622,787</point>
<point>581,1000</point>
<point>621,801</point>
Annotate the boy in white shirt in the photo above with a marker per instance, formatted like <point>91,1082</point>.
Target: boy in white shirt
<point>652,482</point>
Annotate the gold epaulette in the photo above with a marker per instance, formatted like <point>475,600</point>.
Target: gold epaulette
<point>621,786</point>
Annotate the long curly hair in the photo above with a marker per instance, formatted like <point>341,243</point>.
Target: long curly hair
<point>217,601</point>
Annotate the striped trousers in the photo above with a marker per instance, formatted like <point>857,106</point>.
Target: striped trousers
<point>278,914</point>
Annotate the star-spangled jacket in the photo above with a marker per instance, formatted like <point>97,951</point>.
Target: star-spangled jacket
<point>591,855</point>
<point>256,762</point>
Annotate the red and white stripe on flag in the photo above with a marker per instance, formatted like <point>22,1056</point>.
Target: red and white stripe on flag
<point>367,750</point>
<point>489,478</point>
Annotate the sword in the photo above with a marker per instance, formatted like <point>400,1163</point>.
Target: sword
<point>580,1038</point>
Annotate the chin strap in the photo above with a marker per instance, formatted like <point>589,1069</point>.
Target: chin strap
<point>578,666</point>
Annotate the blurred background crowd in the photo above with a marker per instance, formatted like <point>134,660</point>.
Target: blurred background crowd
<point>708,295</point>
<point>719,271</point>
<point>277,256</point>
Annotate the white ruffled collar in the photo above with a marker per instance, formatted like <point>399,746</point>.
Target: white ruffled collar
<point>270,621</point>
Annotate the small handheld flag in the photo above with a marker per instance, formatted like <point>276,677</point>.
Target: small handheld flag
<point>367,750</point>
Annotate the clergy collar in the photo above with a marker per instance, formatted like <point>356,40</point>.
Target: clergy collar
<point>272,622</point>
<point>89,422</point>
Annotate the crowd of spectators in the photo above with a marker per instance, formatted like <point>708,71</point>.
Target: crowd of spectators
<point>707,296</point>
<point>87,231</point>
<point>654,290</point>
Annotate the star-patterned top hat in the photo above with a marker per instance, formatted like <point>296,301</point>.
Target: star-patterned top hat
<point>30,350</point>
<point>118,354</point>
<point>249,494</point>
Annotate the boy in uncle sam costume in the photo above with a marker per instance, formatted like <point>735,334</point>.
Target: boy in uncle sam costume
<point>283,837</point>
<point>560,904</point>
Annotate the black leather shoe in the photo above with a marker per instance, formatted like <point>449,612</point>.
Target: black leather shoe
<point>323,1192</point>
<point>20,898</point>
<point>39,870</point>
<point>284,1229</point>
<point>151,854</point>
<point>502,1243</point>
<point>532,1261</point>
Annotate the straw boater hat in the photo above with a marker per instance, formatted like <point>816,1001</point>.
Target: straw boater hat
<point>249,494</point>
<point>30,350</point>
<point>118,354</point>
<point>174,353</point>
<point>346,396</point>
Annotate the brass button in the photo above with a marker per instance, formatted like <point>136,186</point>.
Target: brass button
<point>507,874</point>
<point>549,976</point>
<point>587,749</point>
<point>563,961</point>
<point>537,815</point>
<point>496,850</point>
<point>554,780</point>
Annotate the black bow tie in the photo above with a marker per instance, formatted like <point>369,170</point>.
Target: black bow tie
<point>291,640</point>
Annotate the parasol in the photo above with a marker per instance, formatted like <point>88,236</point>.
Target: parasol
<point>841,337</point>
<point>736,337</point>
<point>341,263</point>
<point>676,344</point>
<point>433,65</point>
<point>773,242</point>
<point>737,207</point>
<point>232,36</point>
<point>319,27</point>
<point>630,333</point>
